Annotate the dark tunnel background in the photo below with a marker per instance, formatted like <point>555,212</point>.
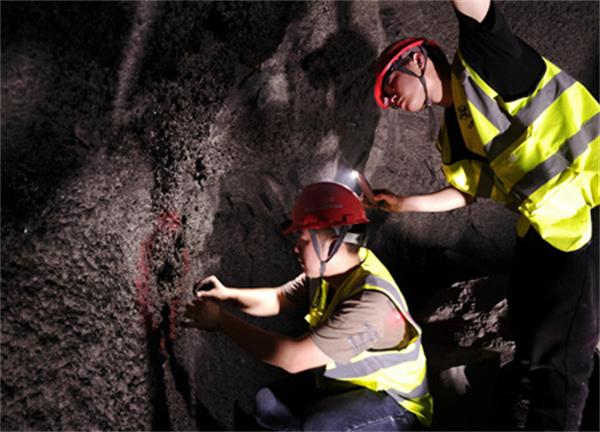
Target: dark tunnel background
<point>147,144</point>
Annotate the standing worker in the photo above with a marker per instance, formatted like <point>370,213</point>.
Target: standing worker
<point>521,131</point>
<point>360,328</point>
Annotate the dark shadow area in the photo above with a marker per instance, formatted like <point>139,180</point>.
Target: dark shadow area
<point>594,81</point>
<point>254,30</point>
<point>509,406</point>
<point>421,270</point>
<point>56,92</point>
<point>197,415</point>
<point>591,412</point>
<point>509,400</point>
<point>461,380</point>
<point>160,415</point>
<point>344,62</point>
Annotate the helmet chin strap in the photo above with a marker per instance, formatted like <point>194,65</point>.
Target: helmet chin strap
<point>341,232</point>
<point>404,69</point>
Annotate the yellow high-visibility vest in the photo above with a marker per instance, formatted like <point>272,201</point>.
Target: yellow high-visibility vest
<point>538,154</point>
<point>399,371</point>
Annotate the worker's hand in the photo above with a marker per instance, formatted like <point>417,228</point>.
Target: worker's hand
<point>203,315</point>
<point>387,201</point>
<point>211,288</point>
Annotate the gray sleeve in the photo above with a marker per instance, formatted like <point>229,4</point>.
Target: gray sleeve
<point>296,290</point>
<point>362,322</point>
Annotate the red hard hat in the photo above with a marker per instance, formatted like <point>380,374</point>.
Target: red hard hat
<point>325,205</point>
<point>389,56</point>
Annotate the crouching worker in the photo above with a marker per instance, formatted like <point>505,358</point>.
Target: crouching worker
<point>363,350</point>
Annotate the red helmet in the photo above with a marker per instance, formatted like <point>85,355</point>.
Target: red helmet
<point>389,56</point>
<point>325,205</point>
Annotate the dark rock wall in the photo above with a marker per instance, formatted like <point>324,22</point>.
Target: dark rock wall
<point>146,144</point>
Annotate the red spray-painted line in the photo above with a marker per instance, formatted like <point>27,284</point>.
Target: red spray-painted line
<point>169,222</point>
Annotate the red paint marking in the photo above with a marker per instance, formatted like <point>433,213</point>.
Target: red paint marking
<point>169,222</point>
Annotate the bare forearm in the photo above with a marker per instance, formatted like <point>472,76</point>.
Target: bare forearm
<point>292,355</point>
<point>256,301</point>
<point>476,9</point>
<point>444,200</point>
<point>272,348</point>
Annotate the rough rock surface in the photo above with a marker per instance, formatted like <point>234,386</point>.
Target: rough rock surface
<point>146,144</point>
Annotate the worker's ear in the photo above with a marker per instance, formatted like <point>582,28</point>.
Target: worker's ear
<point>419,59</point>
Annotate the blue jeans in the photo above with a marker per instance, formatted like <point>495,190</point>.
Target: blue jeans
<point>355,410</point>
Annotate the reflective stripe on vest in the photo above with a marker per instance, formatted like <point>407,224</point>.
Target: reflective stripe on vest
<point>510,128</point>
<point>371,364</point>
<point>376,362</point>
<point>400,372</point>
<point>559,161</point>
<point>528,114</point>
<point>375,281</point>
<point>541,151</point>
<point>479,98</point>
<point>418,392</point>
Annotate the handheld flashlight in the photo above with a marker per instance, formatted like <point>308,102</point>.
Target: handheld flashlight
<point>365,188</point>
